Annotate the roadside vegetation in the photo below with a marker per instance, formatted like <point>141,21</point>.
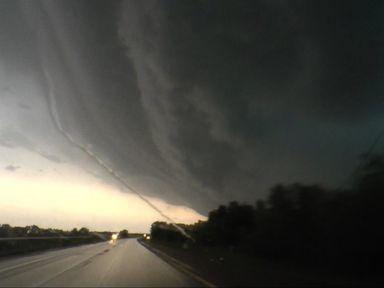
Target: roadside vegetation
<point>337,229</point>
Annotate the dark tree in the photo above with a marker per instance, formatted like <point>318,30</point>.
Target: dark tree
<point>123,234</point>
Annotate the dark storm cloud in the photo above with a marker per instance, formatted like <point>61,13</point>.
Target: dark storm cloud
<point>254,51</point>
<point>50,157</point>
<point>201,102</point>
<point>350,36</point>
<point>95,87</point>
<point>9,138</point>
<point>12,139</point>
<point>16,38</point>
<point>11,168</point>
<point>261,91</point>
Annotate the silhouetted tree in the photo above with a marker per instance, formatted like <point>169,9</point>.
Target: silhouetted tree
<point>124,234</point>
<point>74,232</point>
<point>340,229</point>
<point>33,230</point>
<point>260,205</point>
<point>5,230</point>
<point>83,231</point>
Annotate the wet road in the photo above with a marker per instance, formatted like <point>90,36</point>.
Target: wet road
<point>127,263</point>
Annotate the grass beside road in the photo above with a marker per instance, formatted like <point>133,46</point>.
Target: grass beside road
<point>223,267</point>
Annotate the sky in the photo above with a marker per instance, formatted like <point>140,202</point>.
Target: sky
<point>108,106</point>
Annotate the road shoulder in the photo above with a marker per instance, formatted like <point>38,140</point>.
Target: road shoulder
<point>183,267</point>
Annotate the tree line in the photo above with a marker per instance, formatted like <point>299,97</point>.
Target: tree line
<point>19,240</point>
<point>337,228</point>
<point>7,231</point>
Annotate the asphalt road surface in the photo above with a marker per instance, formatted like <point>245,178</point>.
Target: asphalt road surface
<point>125,263</point>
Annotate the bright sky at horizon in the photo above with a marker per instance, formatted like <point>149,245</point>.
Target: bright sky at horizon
<point>64,204</point>
<point>36,190</point>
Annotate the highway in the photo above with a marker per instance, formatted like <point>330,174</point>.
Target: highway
<point>125,263</point>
